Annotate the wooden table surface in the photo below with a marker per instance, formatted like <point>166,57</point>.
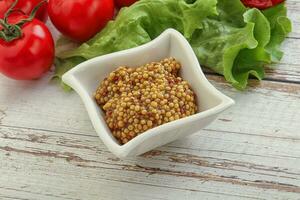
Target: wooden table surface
<point>49,149</point>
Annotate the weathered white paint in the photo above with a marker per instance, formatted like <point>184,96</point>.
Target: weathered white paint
<point>49,150</point>
<point>217,163</point>
<point>293,12</point>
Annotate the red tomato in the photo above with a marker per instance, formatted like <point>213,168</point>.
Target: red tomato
<point>80,20</point>
<point>29,56</point>
<point>122,3</point>
<point>275,2</point>
<point>261,4</point>
<point>26,6</point>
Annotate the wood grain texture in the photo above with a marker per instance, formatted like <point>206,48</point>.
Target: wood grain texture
<point>259,110</point>
<point>53,159</point>
<point>49,150</point>
<point>251,151</point>
<point>293,12</point>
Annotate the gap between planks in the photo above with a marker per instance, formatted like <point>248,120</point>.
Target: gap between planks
<point>172,156</point>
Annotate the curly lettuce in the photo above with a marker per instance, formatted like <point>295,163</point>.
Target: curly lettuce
<point>227,37</point>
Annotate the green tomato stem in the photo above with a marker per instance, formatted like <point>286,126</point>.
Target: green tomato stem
<point>12,32</point>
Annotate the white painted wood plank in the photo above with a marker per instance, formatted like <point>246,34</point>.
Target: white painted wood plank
<point>262,116</point>
<point>294,13</point>
<point>289,67</point>
<point>269,109</point>
<point>251,151</point>
<point>86,170</point>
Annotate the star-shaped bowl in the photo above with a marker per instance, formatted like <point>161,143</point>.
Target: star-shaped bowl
<point>85,78</point>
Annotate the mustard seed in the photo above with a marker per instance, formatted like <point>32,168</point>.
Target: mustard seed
<point>149,123</point>
<point>154,104</point>
<point>137,99</point>
<point>144,112</point>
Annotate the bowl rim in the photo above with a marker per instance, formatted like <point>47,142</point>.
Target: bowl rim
<point>123,150</point>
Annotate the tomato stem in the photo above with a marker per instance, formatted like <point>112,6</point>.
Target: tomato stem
<point>10,10</point>
<point>32,14</point>
<point>11,32</point>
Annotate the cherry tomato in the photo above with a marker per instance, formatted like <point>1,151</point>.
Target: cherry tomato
<point>122,3</point>
<point>275,2</point>
<point>26,6</point>
<point>261,4</point>
<point>80,20</point>
<point>29,56</point>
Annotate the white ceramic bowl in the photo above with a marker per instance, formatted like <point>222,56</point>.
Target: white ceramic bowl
<point>85,78</point>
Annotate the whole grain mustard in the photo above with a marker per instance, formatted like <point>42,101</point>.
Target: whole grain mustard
<point>137,99</point>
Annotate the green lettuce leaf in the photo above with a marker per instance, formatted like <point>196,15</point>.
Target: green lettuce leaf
<point>226,36</point>
<point>137,25</point>
<point>250,61</point>
<point>238,44</point>
<point>281,26</point>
